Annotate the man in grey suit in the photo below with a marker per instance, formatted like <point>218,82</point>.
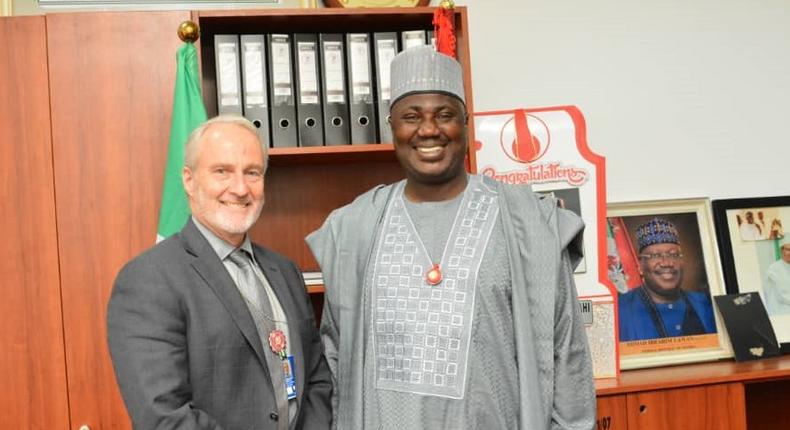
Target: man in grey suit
<point>208,330</point>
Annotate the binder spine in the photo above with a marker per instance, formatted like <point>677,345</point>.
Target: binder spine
<point>308,90</point>
<point>281,91</point>
<point>361,104</point>
<point>226,48</point>
<point>255,83</point>
<point>385,46</point>
<point>334,95</point>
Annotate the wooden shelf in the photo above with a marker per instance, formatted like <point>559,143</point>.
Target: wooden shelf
<point>315,289</point>
<point>340,154</point>
<point>631,381</point>
<point>325,20</point>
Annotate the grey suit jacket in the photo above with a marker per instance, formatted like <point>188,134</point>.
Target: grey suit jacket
<point>185,349</point>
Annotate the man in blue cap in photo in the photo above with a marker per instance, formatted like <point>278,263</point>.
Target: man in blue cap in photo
<point>659,307</point>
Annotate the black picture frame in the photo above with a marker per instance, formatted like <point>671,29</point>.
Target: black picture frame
<point>744,258</point>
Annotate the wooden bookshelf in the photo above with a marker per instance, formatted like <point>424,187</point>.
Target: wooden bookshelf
<point>304,184</point>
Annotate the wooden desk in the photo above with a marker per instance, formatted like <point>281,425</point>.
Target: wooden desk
<point>722,395</point>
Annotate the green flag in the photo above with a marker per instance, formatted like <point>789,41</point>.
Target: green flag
<point>188,113</point>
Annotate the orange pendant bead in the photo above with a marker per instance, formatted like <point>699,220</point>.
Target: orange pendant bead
<point>434,276</point>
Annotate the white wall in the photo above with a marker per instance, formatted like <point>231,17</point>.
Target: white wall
<point>683,98</point>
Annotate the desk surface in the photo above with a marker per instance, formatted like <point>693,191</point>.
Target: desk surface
<point>687,375</point>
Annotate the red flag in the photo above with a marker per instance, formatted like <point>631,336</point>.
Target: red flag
<point>626,253</point>
<point>444,28</point>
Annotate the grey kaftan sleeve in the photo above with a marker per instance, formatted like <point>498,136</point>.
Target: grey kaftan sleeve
<point>323,245</point>
<point>555,370</point>
<point>573,406</point>
<point>342,248</point>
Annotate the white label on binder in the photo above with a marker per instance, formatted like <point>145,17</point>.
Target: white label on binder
<point>413,38</point>
<point>228,70</point>
<point>308,75</point>
<point>386,50</point>
<point>360,66</point>
<point>333,64</point>
<point>281,66</point>
<point>253,74</point>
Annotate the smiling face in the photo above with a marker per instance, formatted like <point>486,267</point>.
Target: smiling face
<point>429,131</point>
<point>661,266</point>
<point>225,184</point>
<point>786,253</point>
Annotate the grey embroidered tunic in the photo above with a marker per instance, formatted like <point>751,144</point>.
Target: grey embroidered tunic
<point>490,396</point>
<point>553,375</point>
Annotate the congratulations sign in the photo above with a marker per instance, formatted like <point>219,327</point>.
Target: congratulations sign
<point>547,148</point>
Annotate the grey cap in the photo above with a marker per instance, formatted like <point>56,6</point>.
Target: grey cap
<point>423,70</point>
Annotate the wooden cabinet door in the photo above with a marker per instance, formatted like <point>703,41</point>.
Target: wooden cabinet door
<point>32,362</point>
<point>768,405</point>
<point>611,413</point>
<point>111,78</point>
<point>708,407</point>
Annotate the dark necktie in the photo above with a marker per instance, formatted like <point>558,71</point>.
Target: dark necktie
<point>260,307</point>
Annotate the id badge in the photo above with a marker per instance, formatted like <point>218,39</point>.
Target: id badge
<point>290,377</point>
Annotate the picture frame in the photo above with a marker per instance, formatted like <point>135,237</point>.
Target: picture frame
<point>6,8</point>
<point>663,262</point>
<point>752,256</point>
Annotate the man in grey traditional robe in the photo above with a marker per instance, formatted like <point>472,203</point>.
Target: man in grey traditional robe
<point>450,301</point>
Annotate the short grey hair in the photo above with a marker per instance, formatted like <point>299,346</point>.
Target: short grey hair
<point>192,145</point>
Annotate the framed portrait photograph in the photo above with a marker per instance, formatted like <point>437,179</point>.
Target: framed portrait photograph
<point>755,251</point>
<point>663,261</point>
